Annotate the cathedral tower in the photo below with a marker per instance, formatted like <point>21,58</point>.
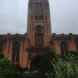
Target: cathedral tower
<point>39,28</point>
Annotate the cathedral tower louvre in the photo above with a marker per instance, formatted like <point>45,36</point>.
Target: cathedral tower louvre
<point>39,28</point>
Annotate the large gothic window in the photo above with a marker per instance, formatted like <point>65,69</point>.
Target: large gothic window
<point>39,36</point>
<point>63,47</point>
<point>16,49</point>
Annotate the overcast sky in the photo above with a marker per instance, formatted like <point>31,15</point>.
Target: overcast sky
<point>64,16</point>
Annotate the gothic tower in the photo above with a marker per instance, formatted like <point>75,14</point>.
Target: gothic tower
<point>39,28</point>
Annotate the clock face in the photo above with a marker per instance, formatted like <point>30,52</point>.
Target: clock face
<point>39,28</point>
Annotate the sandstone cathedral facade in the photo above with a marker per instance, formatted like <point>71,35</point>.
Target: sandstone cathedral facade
<point>20,49</point>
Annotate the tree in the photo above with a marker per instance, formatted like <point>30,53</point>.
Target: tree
<point>65,67</point>
<point>7,70</point>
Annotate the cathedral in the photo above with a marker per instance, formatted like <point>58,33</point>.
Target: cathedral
<point>21,48</point>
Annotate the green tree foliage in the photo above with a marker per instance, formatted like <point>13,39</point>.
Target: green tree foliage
<point>66,67</point>
<point>71,56</point>
<point>7,70</point>
<point>49,65</point>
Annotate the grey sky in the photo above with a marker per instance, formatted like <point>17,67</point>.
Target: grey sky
<point>64,16</point>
